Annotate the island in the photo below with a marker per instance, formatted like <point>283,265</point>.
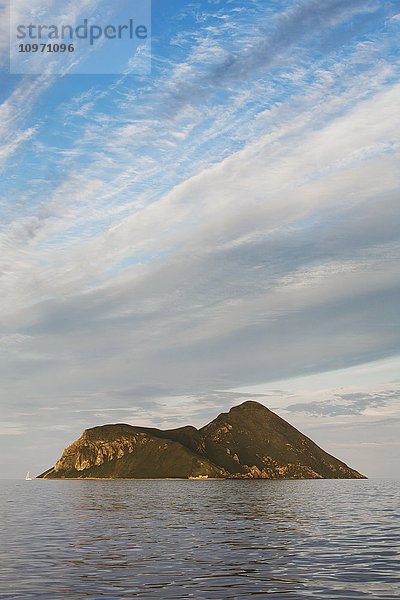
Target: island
<point>248,442</point>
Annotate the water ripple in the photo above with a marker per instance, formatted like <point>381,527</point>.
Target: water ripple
<point>112,540</point>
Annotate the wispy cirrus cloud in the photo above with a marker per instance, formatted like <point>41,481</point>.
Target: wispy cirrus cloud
<point>353,403</point>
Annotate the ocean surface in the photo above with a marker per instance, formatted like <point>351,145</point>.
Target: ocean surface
<point>177,539</point>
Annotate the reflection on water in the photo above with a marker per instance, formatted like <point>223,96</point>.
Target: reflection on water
<point>200,539</point>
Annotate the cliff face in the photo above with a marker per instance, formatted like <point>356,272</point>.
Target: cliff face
<point>248,442</point>
<point>123,451</point>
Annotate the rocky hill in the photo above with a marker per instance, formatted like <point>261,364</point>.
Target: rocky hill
<point>248,442</point>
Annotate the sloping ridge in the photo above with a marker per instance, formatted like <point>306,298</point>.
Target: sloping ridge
<point>249,441</point>
<point>252,439</point>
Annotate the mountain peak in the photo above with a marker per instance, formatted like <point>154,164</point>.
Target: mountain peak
<point>250,406</point>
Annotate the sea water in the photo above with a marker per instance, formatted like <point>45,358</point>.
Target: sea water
<point>180,539</point>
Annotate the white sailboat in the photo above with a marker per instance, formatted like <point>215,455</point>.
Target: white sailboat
<point>28,478</point>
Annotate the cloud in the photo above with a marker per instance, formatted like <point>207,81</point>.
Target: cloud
<point>10,428</point>
<point>304,19</point>
<point>281,37</point>
<point>13,115</point>
<point>353,403</point>
<point>262,249</point>
<point>12,340</point>
<point>16,109</point>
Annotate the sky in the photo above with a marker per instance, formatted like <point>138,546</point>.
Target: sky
<point>222,227</point>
